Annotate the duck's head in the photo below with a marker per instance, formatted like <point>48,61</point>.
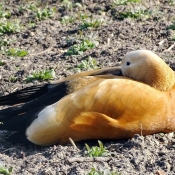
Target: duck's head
<point>147,67</point>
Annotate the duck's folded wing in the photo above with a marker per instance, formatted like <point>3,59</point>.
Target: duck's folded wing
<point>32,92</point>
<point>53,95</point>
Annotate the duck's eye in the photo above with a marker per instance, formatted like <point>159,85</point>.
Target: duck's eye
<point>128,63</point>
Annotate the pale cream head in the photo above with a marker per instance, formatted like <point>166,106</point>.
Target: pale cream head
<point>147,67</point>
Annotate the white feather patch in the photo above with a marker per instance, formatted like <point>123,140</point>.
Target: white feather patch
<point>46,118</point>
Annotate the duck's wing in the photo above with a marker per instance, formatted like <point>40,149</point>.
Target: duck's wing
<point>53,95</point>
<point>32,92</point>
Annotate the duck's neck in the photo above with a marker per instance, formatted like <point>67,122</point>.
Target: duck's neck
<point>161,78</point>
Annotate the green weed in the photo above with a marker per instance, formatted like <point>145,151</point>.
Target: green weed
<point>67,3</point>
<point>172,27</point>
<point>41,76</point>
<point>171,2</point>
<point>16,52</point>
<point>45,13</point>
<point>91,23</point>
<point>124,2</point>
<point>9,27</point>
<point>67,19</point>
<point>4,42</point>
<point>2,63</point>
<point>96,151</point>
<point>13,79</point>
<point>136,14</point>
<point>3,13</point>
<point>102,172</point>
<point>79,49</point>
<point>5,171</point>
<point>89,63</point>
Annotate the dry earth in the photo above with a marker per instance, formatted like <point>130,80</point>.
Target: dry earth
<point>150,26</point>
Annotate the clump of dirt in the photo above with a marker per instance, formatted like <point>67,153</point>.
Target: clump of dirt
<point>119,28</point>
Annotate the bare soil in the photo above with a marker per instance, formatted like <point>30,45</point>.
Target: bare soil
<point>47,42</point>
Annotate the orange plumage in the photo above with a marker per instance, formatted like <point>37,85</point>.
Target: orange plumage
<point>111,107</point>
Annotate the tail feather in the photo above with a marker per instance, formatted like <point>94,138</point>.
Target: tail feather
<point>30,108</point>
<point>24,95</point>
<point>18,137</point>
<point>19,122</point>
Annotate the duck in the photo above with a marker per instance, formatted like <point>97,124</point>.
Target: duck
<point>138,100</point>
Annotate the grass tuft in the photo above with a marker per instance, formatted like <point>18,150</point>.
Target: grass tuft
<point>3,13</point>
<point>16,52</point>
<point>45,13</point>
<point>41,76</point>
<point>5,171</point>
<point>91,23</point>
<point>89,63</point>
<point>96,151</point>
<point>124,2</point>
<point>79,49</point>
<point>102,172</point>
<point>9,27</point>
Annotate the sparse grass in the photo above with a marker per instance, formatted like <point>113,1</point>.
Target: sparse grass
<point>12,79</point>
<point>9,27</point>
<point>96,151</point>
<point>136,13</point>
<point>16,52</point>
<point>2,63</point>
<point>91,23</point>
<point>171,2</point>
<point>4,42</point>
<point>4,13</point>
<point>102,172</point>
<point>69,5</point>
<point>41,76</point>
<point>79,49</point>
<point>5,171</point>
<point>172,27</point>
<point>67,19</point>
<point>124,2</point>
<point>89,63</point>
<point>45,13</point>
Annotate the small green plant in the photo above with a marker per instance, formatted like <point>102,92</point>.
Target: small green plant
<point>67,19</point>
<point>3,13</point>
<point>2,63</point>
<point>13,79</point>
<point>171,2</point>
<point>102,172</point>
<point>172,27</point>
<point>96,151</point>
<point>9,27</point>
<point>4,42</point>
<point>124,2</point>
<point>5,171</point>
<point>89,63</point>
<point>45,13</point>
<point>41,76</point>
<point>16,52</point>
<point>79,49</point>
<point>91,23</point>
<point>136,13</point>
<point>67,3</point>
<point>32,24</point>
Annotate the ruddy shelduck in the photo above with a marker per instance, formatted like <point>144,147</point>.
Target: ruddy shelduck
<point>98,105</point>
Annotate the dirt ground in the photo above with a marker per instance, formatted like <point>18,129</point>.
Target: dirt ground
<point>146,25</point>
